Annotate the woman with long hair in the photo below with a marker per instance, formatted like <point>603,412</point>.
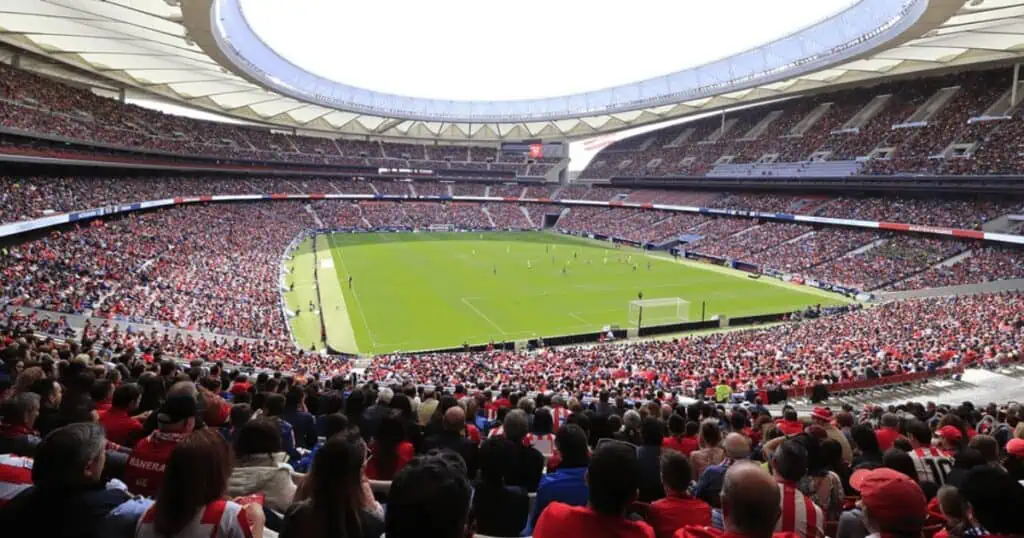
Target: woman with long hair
<point>192,495</point>
<point>390,449</point>
<point>335,499</point>
<point>261,465</point>
<point>867,450</point>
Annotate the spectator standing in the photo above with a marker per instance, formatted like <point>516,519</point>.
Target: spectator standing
<point>302,422</point>
<point>682,435</point>
<point>649,460</point>
<point>612,477</point>
<point>932,463</point>
<point>824,417</point>
<point>710,452</point>
<point>191,501</point>
<point>888,432</point>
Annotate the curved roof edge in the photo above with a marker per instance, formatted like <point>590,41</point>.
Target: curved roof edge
<point>847,34</point>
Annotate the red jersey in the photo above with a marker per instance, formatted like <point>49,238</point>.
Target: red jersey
<point>886,437</point>
<point>674,512</point>
<point>15,476</point>
<point>405,454</point>
<point>683,444</point>
<point>559,520</point>
<point>799,514</point>
<point>120,427</point>
<point>145,471</point>
<point>790,427</point>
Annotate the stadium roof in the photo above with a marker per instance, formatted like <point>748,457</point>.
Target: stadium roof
<point>202,54</point>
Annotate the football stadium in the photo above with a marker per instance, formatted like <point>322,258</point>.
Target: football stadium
<point>323,269</point>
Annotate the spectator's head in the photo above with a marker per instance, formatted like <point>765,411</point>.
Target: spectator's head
<point>653,432</point>
<point>102,390</point>
<point>429,497</point>
<point>676,424</point>
<point>900,461</point>
<point>995,499</point>
<point>737,446</point>
<point>20,410</point>
<point>864,438</point>
<point>494,454</point>
<point>710,435</point>
<point>632,420</point>
<point>571,442</point>
<point>274,406</point>
<point>126,397</point>
<point>516,425</point>
<point>987,446</point>
<point>893,502</point>
<point>50,392</point>
<point>822,416</point>
<point>178,413</point>
<point>790,414</point>
<point>750,500</point>
<point>543,422</point>
<point>790,461</point>
<point>890,420</point>
<point>196,475</point>
<point>950,437</point>
<point>454,419</point>
<point>612,478</point>
<point>260,436</point>
<point>953,505</point>
<point>70,457</point>
<point>334,485</point>
<point>240,414</point>
<point>919,433</point>
<point>676,473</point>
<point>334,423</point>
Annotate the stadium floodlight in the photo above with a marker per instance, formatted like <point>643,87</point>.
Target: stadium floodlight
<point>664,311</point>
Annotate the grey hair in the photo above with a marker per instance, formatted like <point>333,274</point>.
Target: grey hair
<point>14,409</point>
<point>385,395</point>
<point>527,405</point>
<point>63,455</point>
<point>516,425</point>
<point>632,420</point>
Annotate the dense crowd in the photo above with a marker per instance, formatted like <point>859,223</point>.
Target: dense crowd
<point>113,440</point>
<point>980,265</point>
<point>895,258</point>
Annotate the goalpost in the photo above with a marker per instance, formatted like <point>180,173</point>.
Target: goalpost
<point>665,311</point>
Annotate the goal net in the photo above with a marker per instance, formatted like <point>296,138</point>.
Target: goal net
<point>664,311</point>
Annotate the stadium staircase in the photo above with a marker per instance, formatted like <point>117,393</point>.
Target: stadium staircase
<point>529,219</point>
<point>487,214</point>
<point>312,213</point>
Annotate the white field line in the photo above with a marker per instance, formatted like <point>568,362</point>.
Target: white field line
<point>355,294</point>
<point>466,301</point>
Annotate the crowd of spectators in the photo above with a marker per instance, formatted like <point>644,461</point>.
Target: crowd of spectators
<point>760,238</point>
<point>815,249</point>
<point>117,441</point>
<point>896,258</point>
<point>980,265</point>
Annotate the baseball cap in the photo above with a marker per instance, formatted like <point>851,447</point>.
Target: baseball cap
<point>894,501</point>
<point>951,433</point>
<point>176,409</point>
<point>1015,448</point>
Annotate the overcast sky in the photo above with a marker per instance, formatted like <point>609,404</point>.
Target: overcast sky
<point>493,50</point>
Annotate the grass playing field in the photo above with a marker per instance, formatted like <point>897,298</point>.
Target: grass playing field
<point>415,291</point>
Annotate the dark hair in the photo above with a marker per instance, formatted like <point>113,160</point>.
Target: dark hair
<point>987,445</point>
<point>710,434</point>
<point>401,403</point>
<point>494,455</point>
<point>790,460</point>
<point>274,405</point>
<point>543,423</point>
<point>571,441</point>
<point>675,470</point>
<point>676,424</point>
<point>864,437</point>
<point>334,423</point>
<point>100,389</point>
<point>612,478</point>
<point>919,431</point>
<point>333,488</point>
<point>691,428</point>
<point>390,434</point>
<point>995,499</point>
<point>832,453</point>
<point>196,475</point>
<point>62,456</point>
<point>258,436</point>
<point>240,414</point>
<point>293,398</point>
<point>125,396</point>
<point>899,460</point>
<point>44,387</point>
<point>429,497</point>
<point>652,432</point>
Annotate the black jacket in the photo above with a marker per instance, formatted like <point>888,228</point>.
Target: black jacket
<point>524,467</point>
<point>456,443</point>
<point>67,513</point>
<point>500,510</point>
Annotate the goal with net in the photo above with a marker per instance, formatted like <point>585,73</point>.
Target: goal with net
<point>665,311</point>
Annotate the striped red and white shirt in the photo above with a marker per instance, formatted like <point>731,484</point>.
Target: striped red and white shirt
<point>799,514</point>
<point>932,464</point>
<point>558,416</point>
<point>220,519</point>
<point>15,476</point>
<point>543,442</point>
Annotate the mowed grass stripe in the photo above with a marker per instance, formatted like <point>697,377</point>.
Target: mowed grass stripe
<point>422,291</point>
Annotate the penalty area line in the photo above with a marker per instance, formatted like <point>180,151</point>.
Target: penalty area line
<point>465,301</point>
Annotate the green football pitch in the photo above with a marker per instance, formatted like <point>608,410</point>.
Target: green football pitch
<point>416,291</point>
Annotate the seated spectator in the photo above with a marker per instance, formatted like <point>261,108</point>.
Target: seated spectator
<point>176,419</point>
<point>121,427</point>
<point>799,513</point>
<point>15,476</point>
<point>709,486</point>
<point>17,435</point>
<point>542,436</point>
<point>901,461</point>
<point>451,438</point>
<point>649,459</point>
<point>790,423</point>
<point>995,499</point>
<point>332,424</point>
<point>241,413</point>
<point>865,449</point>
<point>823,417</point>
<point>390,449</point>
<point>68,497</point>
<point>429,497</point>
<point>682,435</point>
<point>260,466</point>
<point>612,479</point>
<point>823,486</point>
<point>295,414</point>
<point>678,509</point>
<point>568,483</point>
<point>273,409</point>
<point>335,498</point>
<point>932,463</point>
<point>893,503</point>
<point>498,508</point>
<point>524,464</point>
<point>191,499</point>
<point>750,506</point>
<point>710,452</point>
<point>888,432</point>
<point>959,522</point>
<point>50,397</point>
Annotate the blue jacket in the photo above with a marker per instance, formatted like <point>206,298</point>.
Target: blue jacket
<point>568,486</point>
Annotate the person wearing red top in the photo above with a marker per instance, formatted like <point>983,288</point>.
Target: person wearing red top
<point>240,386</point>
<point>894,504</point>
<point>612,487</point>
<point>790,423</point>
<point>148,460</point>
<point>15,476</point>
<point>121,427</point>
<point>390,450</point>
<point>750,506</point>
<point>677,509</point>
<point>683,436</point>
<point>889,432</point>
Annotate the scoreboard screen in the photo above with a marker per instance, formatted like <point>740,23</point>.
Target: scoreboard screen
<point>534,149</point>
